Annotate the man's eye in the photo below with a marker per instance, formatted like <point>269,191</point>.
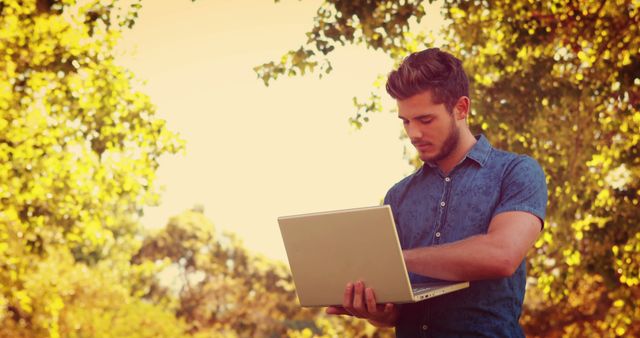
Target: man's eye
<point>405,122</point>
<point>426,121</point>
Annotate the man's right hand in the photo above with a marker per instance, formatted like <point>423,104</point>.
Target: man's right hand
<point>360,302</point>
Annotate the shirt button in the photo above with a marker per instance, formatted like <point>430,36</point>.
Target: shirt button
<point>447,179</point>
<point>425,327</point>
<point>438,234</point>
<point>442,204</point>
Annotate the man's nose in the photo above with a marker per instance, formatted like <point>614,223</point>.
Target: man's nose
<point>413,132</point>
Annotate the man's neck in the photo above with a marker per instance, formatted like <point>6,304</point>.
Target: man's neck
<point>465,143</point>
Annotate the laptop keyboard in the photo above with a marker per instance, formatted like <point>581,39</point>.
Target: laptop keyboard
<point>421,289</point>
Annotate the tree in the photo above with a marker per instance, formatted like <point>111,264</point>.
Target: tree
<point>560,81</point>
<point>79,146</point>
<point>222,289</point>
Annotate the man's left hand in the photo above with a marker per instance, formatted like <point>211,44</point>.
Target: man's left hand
<point>360,301</point>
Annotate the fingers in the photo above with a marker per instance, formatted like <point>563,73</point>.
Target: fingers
<point>370,299</point>
<point>336,310</point>
<point>352,299</point>
<point>347,299</point>
<point>358,301</point>
<point>358,298</point>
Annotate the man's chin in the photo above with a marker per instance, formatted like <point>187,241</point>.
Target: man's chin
<point>430,156</point>
<point>427,158</point>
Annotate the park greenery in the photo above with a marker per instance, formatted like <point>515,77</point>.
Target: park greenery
<point>79,143</point>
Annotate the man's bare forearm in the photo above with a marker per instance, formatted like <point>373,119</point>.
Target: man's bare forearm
<point>473,258</point>
<point>496,254</point>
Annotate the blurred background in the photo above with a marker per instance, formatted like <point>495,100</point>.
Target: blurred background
<point>148,148</point>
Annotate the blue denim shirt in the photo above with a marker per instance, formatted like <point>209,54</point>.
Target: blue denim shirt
<point>430,208</point>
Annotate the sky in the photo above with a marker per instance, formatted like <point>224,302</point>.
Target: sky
<point>254,153</point>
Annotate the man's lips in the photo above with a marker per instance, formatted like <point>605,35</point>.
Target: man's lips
<point>422,146</point>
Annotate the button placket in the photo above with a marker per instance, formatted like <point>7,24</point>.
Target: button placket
<point>443,204</point>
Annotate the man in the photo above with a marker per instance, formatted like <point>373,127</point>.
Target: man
<point>470,213</point>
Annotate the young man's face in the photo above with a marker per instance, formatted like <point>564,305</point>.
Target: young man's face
<point>430,127</point>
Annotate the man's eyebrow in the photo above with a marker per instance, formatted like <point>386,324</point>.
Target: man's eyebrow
<point>419,117</point>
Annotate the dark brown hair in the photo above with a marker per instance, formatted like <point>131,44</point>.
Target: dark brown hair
<point>430,69</point>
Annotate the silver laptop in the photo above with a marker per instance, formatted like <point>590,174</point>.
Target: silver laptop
<point>327,250</point>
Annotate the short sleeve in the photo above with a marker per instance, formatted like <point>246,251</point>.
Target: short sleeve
<point>390,200</point>
<point>524,188</point>
<point>387,198</point>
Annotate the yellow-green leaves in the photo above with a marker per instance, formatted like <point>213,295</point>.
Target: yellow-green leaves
<point>78,152</point>
<point>221,289</point>
<point>627,261</point>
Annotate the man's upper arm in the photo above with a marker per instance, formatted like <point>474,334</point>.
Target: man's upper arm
<point>519,216</point>
<point>524,188</point>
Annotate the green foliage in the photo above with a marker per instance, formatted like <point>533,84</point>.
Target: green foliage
<point>559,80</point>
<point>224,290</point>
<point>382,25</point>
<point>79,147</point>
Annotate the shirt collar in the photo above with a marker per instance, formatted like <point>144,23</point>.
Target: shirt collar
<point>478,153</point>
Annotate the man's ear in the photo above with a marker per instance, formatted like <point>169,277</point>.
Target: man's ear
<point>461,109</point>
